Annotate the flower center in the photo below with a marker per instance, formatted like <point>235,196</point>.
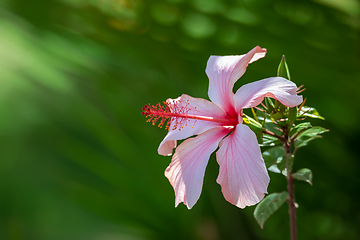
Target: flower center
<point>163,113</point>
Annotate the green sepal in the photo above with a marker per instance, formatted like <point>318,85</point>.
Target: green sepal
<point>283,69</point>
<point>303,174</point>
<point>268,206</point>
<point>308,135</point>
<point>309,112</point>
<point>269,104</point>
<point>277,115</point>
<point>292,115</point>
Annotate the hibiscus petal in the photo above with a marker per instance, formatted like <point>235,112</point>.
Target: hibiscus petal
<point>224,71</point>
<point>243,176</point>
<point>252,94</point>
<point>187,168</point>
<point>189,127</point>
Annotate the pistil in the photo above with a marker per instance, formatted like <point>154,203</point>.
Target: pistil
<point>163,113</point>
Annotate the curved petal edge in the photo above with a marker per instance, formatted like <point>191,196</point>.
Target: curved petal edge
<point>252,94</point>
<point>224,71</point>
<point>187,168</point>
<point>243,176</point>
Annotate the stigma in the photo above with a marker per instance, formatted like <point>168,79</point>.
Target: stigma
<point>180,113</point>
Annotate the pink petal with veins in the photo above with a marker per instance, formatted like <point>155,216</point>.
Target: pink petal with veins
<point>190,127</point>
<point>224,71</point>
<point>243,176</point>
<point>252,94</point>
<point>187,168</point>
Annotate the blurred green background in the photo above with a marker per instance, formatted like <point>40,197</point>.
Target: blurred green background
<point>79,161</point>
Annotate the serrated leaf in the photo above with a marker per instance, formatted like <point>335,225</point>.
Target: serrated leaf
<point>309,112</point>
<point>308,135</point>
<point>304,174</point>
<point>268,206</point>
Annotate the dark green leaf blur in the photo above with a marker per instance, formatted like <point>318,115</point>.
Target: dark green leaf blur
<point>79,161</point>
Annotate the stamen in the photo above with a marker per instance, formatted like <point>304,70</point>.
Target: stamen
<point>179,113</point>
<point>157,112</point>
<point>300,89</point>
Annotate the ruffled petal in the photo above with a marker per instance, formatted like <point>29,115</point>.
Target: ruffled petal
<point>187,168</point>
<point>243,176</point>
<point>184,128</point>
<point>224,71</point>
<point>252,94</point>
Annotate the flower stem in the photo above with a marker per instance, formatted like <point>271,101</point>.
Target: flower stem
<point>292,207</point>
<point>287,141</point>
<point>290,185</point>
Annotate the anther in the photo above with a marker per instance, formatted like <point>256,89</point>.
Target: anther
<point>158,112</point>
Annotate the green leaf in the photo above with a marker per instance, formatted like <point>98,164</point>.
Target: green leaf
<point>274,159</point>
<point>268,141</point>
<point>309,112</point>
<point>300,127</point>
<point>261,115</point>
<point>283,69</point>
<point>304,174</point>
<point>268,206</point>
<point>308,135</point>
<point>273,128</point>
<point>290,165</point>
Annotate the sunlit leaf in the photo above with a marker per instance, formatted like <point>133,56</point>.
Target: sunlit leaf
<point>268,141</point>
<point>300,127</point>
<point>308,135</point>
<point>268,206</point>
<point>304,174</point>
<point>310,112</point>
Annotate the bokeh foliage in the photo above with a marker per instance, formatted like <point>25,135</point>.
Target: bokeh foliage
<point>78,160</point>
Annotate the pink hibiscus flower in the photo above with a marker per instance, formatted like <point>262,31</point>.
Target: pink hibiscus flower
<point>218,123</point>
